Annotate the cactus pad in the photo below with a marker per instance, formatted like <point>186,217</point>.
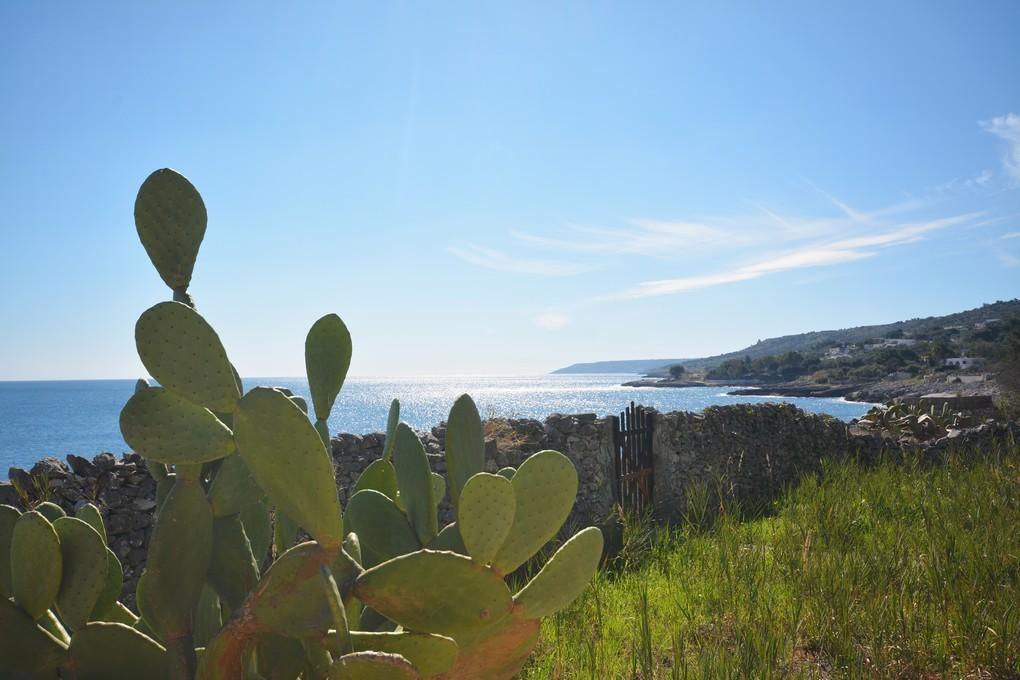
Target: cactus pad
<point>486,514</point>
<point>165,428</point>
<point>372,666</point>
<point>434,592</point>
<point>36,566</point>
<point>24,646</point>
<point>233,488</point>
<point>381,476</point>
<point>107,605</point>
<point>178,560</point>
<point>86,565</point>
<point>429,654</point>
<point>171,219</point>
<point>90,514</point>
<point>414,477</point>
<point>233,570</point>
<point>101,651</point>
<point>288,600</point>
<point>184,354</point>
<point>50,511</point>
<point>327,358</point>
<point>507,472</point>
<point>258,528</point>
<point>564,576</point>
<point>382,529</point>
<point>448,538</point>
<point>465,445</point>
<point>392,420</point>
<point>288,460</point>
<point>545,486</point>
<point>8,516</point>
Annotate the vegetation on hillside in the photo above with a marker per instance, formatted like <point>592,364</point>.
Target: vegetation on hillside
<point>996,344</point>
<point>901,571</point>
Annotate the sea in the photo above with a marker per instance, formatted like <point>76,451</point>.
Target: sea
<point>59,417</point>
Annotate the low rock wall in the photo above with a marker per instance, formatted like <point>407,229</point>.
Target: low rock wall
<point>747,454</point>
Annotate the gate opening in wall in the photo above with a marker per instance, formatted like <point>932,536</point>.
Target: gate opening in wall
<point>632,458</point>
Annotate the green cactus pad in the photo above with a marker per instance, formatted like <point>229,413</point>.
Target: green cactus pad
<point>258,528</point>
<point>163,489</point>
<point>8,517</point>
<point>414,478</point>
<point>208,617</point>
<point>179,554</point>
<point>372,666</point>
<point>285,532</point>
<point>564,576</point>
<point>392,420</point>
<point>233,570</point>
<point>507,472</point>
<point>24,646</point>
<point>90,514</point>
<point>383,531</point>
<point>341,630</point>
<point>233,488</point>
<point>106,606</point>
<point>438,488</point>
<point>50,511</point>
<point>486,513</point>
<point>101,651</point>
<point>170,217</point>
<point>288,600</point>
<point>300,403</point>
<point>183,353</point>
<point>449,539</point>
<point>545,485</point>
<point>86,565</point>
<point>429,654</point>
<point>36,566</point>
<point>327,358</point>
<point>288,460</point>
<point>434,592</point>
<point>381,476</point>
<point>465,446</point>
<point>165,428</point>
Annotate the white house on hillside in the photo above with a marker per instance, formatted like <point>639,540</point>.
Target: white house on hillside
<point>962,362</point>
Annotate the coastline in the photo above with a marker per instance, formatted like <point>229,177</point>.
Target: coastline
<point>879,392</point>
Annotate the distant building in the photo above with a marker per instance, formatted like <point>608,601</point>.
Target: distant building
<point>981,325</point>
<point>962,362</point>
<point>890,342</point>
<point>840,352</point>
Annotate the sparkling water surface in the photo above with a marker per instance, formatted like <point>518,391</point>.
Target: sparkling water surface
<point>55,418</point>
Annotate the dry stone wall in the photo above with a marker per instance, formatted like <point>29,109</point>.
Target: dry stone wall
<point>747,454</point>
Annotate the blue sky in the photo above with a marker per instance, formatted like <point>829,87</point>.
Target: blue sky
<point>505,188</point>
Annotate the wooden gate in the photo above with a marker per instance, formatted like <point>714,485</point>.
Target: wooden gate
<point>632,458</point>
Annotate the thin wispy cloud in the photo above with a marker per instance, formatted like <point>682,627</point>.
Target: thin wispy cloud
<point>819,254</point>
<point>1007,128</point>
<point>640,237</point>
<point>494,259</point>
<point>551,320</point>
<point>1009,260</point>
<point>1010,235</point>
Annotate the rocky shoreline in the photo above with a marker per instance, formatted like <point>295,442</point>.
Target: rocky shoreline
<point>880,392</point>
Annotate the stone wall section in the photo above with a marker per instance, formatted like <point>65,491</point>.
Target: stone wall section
<point>748,454</point>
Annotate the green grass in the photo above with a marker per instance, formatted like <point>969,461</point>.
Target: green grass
<point>898,571</point>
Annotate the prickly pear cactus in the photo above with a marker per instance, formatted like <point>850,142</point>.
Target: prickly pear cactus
<point>228,593</point>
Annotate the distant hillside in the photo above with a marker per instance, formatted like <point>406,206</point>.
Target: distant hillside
<point>814,340</point>
<point>632,366</point>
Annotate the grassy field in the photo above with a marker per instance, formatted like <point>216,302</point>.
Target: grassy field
<point>898,571</point>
